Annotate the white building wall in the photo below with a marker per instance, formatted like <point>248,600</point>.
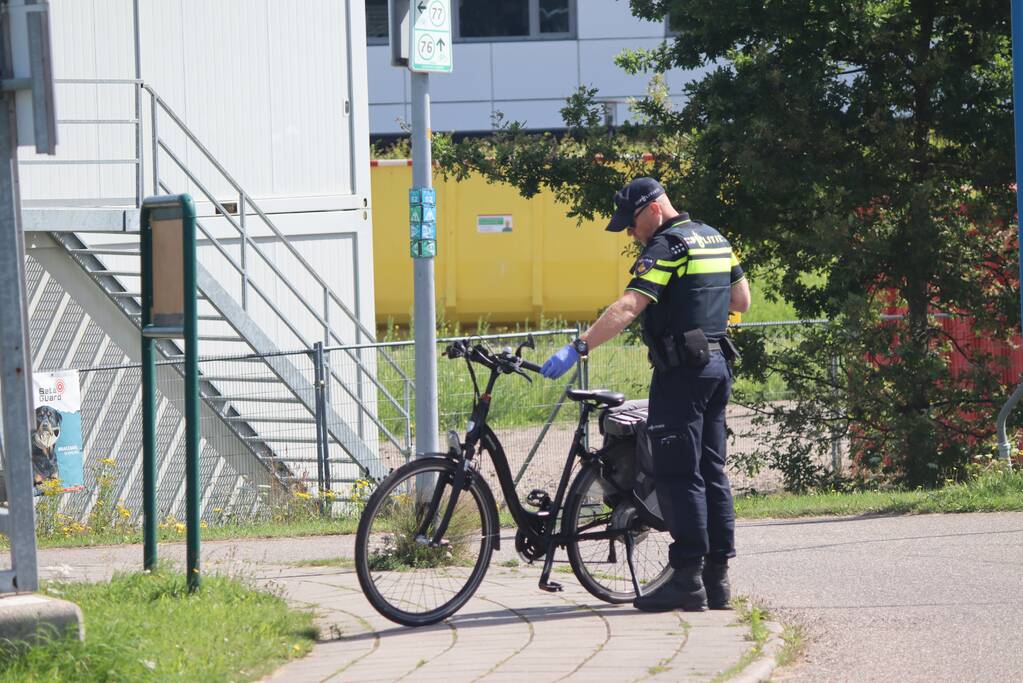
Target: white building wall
<point>274,89</point>
<point>266,85</point>
<point>526,80</point>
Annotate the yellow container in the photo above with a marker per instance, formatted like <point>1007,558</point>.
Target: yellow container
<point>500,257</point>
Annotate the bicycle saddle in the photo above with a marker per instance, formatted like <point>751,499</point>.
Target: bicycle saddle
<point>602,396</point>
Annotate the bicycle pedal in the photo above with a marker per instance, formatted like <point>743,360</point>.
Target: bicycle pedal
<point>551,587</point>
<point>538,498</point>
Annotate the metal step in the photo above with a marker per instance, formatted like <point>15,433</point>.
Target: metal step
<point>125,295</point>
<point>114,273</point>
<point>279,439</point>
<point>279,420</point>
<point>106,252</point>
<point>329,461</point>
<point>220,338</point>
<point>252,399</point>
<point>226,378</point>
<point>218,318</point>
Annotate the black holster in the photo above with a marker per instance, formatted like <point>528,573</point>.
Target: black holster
<point>730,350</point>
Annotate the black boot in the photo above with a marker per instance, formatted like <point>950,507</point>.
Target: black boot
<point>684,590</point>
<point>715,580</point>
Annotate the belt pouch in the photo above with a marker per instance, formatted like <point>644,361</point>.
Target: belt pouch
<point>696,348</point>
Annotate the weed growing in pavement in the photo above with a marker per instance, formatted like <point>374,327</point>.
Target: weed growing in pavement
<point>753,615</point>
<point>793,644</point>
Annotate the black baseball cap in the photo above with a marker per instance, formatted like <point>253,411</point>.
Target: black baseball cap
<point>632,198</point>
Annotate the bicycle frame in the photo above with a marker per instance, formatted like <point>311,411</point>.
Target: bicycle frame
<point>537,527</point>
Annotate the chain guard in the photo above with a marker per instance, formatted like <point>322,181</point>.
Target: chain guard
<point>528,550</point>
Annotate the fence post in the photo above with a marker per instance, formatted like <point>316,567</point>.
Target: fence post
<point>408,419</point>
<point>836,446</point>
<point>322,471</point>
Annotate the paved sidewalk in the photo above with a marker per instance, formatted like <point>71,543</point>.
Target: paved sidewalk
<point>510,630</point>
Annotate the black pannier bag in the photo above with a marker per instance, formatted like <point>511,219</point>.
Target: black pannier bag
<point>628,456</point>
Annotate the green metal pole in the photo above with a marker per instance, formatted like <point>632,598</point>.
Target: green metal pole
<point>148,403</point>
<point>191,394</point>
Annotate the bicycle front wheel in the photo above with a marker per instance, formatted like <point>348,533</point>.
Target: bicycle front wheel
<point>601,564</point>
<point>405,577</point>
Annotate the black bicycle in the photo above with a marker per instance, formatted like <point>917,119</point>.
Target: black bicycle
<point>428,531</point>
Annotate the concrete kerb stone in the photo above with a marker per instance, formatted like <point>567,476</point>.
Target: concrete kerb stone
<point>762,668</point>
<point>30,618</point>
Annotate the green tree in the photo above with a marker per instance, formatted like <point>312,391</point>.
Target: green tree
<point>867,143</point>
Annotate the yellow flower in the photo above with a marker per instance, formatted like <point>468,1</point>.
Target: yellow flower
<point>108,461</point>
<point>217,510</point>
<point>303,495</point>
<point>202,525</point>
<point>180,527</point>
<point>124,512</point>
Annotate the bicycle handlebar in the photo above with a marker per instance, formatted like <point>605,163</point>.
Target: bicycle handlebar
<point>505,361</point>
<point>533,367</point>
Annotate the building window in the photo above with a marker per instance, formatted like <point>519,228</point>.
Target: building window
<point>376,21</point>
<point>554,16</point>
<point>479,20</point>
<point>482,20</point>
<point>489,19</point>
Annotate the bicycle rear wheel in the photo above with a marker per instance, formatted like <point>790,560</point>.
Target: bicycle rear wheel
<point>601,565</point>
<point>402,576</point>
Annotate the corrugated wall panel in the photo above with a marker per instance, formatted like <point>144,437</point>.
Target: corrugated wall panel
<point>67,328</point>
<point>310,143</point>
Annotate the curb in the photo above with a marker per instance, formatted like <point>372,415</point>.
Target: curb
<point>762,667</point>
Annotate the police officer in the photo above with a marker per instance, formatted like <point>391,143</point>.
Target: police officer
<point>685,282</point>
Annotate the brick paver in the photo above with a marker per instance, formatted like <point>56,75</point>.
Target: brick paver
<point>509,631</point>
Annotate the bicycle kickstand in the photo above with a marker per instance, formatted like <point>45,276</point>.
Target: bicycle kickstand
<point>548,565</point>
<point>630,544</point>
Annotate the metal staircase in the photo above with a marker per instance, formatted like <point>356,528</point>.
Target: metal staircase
<point>256,299</point>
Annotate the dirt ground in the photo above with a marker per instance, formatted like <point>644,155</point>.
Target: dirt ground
<point>544,469</point>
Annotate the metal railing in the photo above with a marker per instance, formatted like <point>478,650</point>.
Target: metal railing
<point>240,223</point>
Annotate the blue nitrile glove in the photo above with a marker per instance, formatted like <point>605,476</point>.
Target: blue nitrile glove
<point>560,363</point>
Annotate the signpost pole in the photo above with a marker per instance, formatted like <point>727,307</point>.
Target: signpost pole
<point>191,394</point>
<point>420,32</point>
<point>18,520</point>
<point>425,314</point>
<point>170,311</point>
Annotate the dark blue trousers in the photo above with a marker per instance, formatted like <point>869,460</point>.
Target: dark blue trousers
<point>686,425</point>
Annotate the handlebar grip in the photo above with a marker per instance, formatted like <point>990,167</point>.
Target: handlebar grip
<point>530,366</point>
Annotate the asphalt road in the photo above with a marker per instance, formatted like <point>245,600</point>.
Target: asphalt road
<point>909,598</point>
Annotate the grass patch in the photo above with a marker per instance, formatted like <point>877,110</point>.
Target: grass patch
<point>145,627</point>
<point>994,490</point>
<point>311,526</point>
<point>342,562</point>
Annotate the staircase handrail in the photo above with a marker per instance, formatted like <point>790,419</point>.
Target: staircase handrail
<point>328,291</point>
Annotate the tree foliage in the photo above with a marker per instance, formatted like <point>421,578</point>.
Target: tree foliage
<point>868,144</point>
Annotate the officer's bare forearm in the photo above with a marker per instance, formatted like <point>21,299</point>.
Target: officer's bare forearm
<point>616,318</point>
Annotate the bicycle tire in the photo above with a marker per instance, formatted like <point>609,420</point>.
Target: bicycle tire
<point>389,555</point>
<point>609,579</point>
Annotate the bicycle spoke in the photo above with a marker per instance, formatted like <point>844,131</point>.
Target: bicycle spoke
<point>601,562</point>
<point>407,577</point>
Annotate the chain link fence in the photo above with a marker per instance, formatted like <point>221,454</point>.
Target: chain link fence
<point>352,413</point>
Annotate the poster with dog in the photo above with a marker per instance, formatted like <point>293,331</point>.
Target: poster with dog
<point>57,435</point>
